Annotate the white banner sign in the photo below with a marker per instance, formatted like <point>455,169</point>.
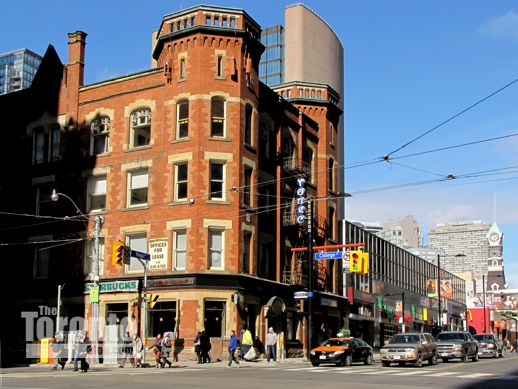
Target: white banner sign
<point>158,250</point>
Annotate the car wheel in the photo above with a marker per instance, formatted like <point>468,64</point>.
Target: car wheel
<point>475,357</point>
<point>368,360</point>
<point>348,360</point>
<point>419,361</point>
<point>315,364</point>
<point>445,360</point>
<point>385,364</point>
<point>433,359</point>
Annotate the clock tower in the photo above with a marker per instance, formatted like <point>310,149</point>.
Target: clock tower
<point>495,260</point>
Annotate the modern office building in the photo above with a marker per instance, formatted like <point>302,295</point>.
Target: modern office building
<point>271,67</point>
<point>17,70</point>
<point>463,247</point>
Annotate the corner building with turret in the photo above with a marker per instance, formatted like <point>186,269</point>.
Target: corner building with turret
<point>196,162</point>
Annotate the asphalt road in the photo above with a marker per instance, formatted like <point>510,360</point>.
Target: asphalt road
<point>487,373</point>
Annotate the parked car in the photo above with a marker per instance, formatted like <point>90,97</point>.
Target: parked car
<point>457,344</point>
<point>342,352</point>
<point>489,345</point>
<point>413,347</point>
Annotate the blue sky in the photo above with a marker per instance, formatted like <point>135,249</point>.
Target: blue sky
<point>409,65</point>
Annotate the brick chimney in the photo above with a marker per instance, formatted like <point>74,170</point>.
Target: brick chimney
<point>76,57</point>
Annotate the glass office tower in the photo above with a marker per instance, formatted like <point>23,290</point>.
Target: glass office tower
<point>271,68</point>
<point>17,70</point>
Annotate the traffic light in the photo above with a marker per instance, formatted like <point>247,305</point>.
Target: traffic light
<point>118,253</point>
<point>365,262</point>
<point>355,261</point>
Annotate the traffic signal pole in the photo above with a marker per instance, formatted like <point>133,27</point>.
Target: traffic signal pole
<point>95,305</point>
<point>310,275</point>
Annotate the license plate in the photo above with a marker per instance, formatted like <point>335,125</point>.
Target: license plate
<point>322,357</point>
<point>396,357</point>
<point>444,354</point>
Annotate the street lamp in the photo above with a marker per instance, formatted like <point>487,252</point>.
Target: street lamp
<point>402,294</point>
<point>439,322</point>
<point>94,332</point>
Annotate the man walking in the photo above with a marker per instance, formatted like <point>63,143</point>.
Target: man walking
<point>232,346</point>
<point>271,345</point>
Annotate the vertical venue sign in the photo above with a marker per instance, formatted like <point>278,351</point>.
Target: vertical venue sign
<point>301,200</point>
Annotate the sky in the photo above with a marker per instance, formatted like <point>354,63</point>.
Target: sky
<point>409,67</point>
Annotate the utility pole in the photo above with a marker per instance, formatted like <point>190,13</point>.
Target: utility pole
<point>484,300</point>
<point>95,304</point>
<point>439,289</point>
<point>58,313</point>
<point>403,311</point>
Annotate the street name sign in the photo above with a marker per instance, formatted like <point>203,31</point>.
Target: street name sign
<point>329,255</point>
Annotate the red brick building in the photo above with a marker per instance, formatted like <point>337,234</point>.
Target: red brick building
<point>195,162</point>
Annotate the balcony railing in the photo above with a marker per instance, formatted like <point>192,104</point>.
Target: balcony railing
<point>296,165</point>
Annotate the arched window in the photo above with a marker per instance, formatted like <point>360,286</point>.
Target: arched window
<point>100,129</point>
<point>182,125</point>
<point>140,122</point>
<point>217,128</point>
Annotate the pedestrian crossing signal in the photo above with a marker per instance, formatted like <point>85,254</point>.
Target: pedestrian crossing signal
<point>118,253</point>
<point>152,299</point>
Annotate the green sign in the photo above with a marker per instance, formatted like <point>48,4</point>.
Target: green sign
<point>94,294</point>
<point>113,286</point>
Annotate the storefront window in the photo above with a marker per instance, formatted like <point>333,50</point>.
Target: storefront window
<point>214,317</point>
<point>162,318</point>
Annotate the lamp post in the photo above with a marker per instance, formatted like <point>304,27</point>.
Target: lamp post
<point>94,332</point>
<point>484,300</point>
<point>58,313</point>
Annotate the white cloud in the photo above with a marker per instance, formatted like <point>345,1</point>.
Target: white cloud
<point>501,26</point>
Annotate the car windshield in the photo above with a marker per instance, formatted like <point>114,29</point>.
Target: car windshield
<point>335,342</point>
<point>450,336</point>
<point>404,339</point>
<point>483,337</point>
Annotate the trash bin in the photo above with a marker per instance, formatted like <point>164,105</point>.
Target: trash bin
<point>45,350</point>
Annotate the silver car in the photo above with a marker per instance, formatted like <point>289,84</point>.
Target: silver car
<point>411,347</point>
<point>489,345</point>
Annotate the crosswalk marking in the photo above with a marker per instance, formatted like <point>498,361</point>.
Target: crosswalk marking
<point>385,371</point>
<point>412,372</point>
<point>444,373</point>
<point>476,375</point>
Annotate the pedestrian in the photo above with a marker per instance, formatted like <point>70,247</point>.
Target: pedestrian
<point>246,342</point>
<point>157,347</point>
<point>138,348</point>
<point>271,345</point>
<point>166,349</point>
<point>232,346</point>
<point>63,354</point>
<point>85,349</point>
<point>126,350</point>
<point>514,346</point>
<point>205,347</point>
<point>57,345</point>
<point>78,339</point>
<point>197,346</point>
